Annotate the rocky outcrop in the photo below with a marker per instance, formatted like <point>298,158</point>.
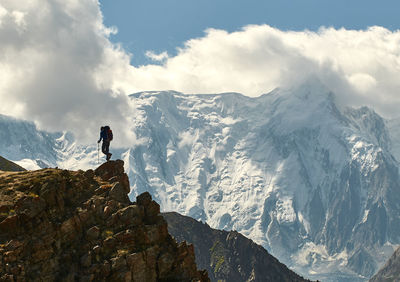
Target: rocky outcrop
<point>228,256</point>
<point>390,272</point>
<point>59,225</point>
<point>6,165</point>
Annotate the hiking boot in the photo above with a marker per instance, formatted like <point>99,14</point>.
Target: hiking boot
<point>108,156</point>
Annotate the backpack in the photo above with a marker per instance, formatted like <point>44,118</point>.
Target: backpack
<point>109,133</point>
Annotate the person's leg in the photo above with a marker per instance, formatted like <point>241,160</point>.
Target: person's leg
<point>104,148</point>
<point>108,151</point>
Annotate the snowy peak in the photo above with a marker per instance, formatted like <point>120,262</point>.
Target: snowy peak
<point>21,141</point>
<point>288,169</point>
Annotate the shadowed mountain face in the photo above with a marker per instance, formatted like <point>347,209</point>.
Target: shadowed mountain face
<point>6,165</point>
<point>228,256</point>
<point>390,272</point>
<point>60,225</point>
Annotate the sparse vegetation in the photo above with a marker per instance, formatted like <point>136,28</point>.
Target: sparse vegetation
<point>217,256</point>
<point>107,234</point>
<point>122,252</point>
<point>33,195</point>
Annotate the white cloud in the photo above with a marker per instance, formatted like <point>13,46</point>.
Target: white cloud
<point>362,67</point>
<point>58,68</point>
<point>157,57</point>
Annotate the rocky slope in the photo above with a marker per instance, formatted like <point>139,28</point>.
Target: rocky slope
<point>59,225</point>
<point>228,256</point>
<point>6,165</point>
<point>390,272</point>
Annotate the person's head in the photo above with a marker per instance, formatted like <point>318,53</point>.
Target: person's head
<point>102,128</point>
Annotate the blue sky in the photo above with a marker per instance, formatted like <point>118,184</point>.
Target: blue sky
<point>165,25</point>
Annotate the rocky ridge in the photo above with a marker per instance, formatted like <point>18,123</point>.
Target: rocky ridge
<point>60,225</point>
<point>7,165</point>
<point>228,256</point>
<point>390,272</point>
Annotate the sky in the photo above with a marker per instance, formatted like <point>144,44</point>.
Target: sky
<point>68,63</point>
<point>165,25</point>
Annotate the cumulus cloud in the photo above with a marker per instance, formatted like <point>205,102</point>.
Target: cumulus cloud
<point>361,66</point>
<point>157,57</point>
<point>58,68</point>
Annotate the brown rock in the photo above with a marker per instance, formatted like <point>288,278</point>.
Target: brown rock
<point>89,174</point>
<point>144,199</point>
<point>118,263</point>
<point>86,278</point>
<point>110,169</point>
<point>137,265</point>
<point>83,215</point>
<point>151,208</point>
<point>9,225</point>
<point>131,215</point>
<point>5,208</point>
<point>42,255</point>
<point>165,263</point>
<point>124,180</point>
<point>7,278</point>
<point>13,245</point>
<point>107,211</point>
<point>30,206</point>
<point>97,249</point>
<point>105,269</point>
<point>151,263</point>
<point>109,244</point>
<point>122,275</point>
<point>68,226</point>
<point>114,179</point>
<point>118,193</point>
<point>10,257</point>
<point>86,260</point>
<point>152,211</point>
<point>152,235</point>
<point>93,233</point>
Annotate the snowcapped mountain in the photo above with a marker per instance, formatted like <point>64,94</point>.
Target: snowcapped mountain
<point>316,185</point>
<point>29,147</point>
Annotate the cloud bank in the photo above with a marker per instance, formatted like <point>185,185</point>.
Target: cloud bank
<point>59,68</point>
<point>361,67</point>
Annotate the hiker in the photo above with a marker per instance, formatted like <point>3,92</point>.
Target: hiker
<point>107,136</point>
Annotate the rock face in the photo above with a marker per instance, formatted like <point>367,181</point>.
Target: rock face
<point>390,272</point>
<point>228,256</point>
<point>59,225</point>
<point>6,165</point>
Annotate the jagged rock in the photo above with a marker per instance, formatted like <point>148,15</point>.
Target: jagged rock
<point>151,208</point>
<point>111,169</point>
<point>227,256</point>
<point>390,272</point>
<point>118,193</point>
<point>67,226</point>
<point>93,233</point>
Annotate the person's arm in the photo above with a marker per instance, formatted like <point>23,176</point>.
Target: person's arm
<point>100,138</point>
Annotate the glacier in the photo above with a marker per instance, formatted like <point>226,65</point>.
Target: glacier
<point>315,183</point>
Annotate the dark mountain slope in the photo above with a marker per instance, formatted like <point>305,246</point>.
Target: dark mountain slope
<point>228,256</point>
<point>390,272</point>
<point>6,165</point>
